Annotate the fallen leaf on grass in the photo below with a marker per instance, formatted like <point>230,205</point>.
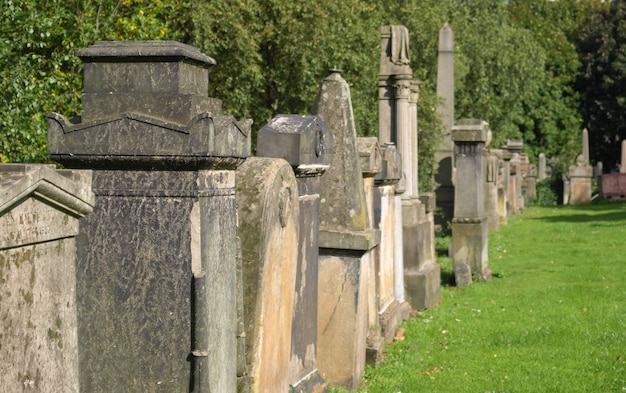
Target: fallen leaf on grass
<point>399,335</point>
<point>429,371</point>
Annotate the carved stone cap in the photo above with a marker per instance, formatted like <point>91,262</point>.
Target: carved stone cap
<point>391,171</point>
<point>514,147</point>
<point>301,140</point>
<point>66,190</point>
<point>471,130</point>
<point>144,51</point>
<point>370,156</point>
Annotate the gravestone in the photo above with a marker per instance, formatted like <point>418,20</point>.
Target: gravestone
<point>580,181</point>
<point>267,196</point>
<point>506,186</point>
<point>531,183</point>
<point>346,244</point>
<point>524,163</point>
<point>492,171</point>
<point>370,158</point>
<point>158,258</point>
<point>469,226</point>
<point>444,157</point>
<point>585,141</point>
<point>613,186</point>
<point>306,143</point>
<point>39,212</point>
<point>384,219</point>
<point>515,180</point>
<point>542,174</point>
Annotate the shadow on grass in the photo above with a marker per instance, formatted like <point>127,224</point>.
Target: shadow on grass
<point>605,212</point>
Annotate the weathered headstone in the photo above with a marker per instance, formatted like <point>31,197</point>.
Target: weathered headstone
<point>469,226</point>
<point>157,260</point>
<point>267,196</point>
<point>370,157</point>
<point>613,186</point>
<point>580,181</point>
<point>444,157</point>
<point>542,174</point>
<point>531,183</point>
<point>506,210</point>
<point>346,243</point>
<point>491,189</point>
<point>39,212</point>
<point>585,141</point>
<point>384,219</point>
<point>305,142</point>
<point>515,180</point>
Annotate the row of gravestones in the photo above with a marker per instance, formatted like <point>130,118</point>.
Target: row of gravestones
<point>168,259</point>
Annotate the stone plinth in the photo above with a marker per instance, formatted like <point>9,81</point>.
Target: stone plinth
<point>346,243</point>
<point>40,209</point>
<point>306,143</point>
<point>158,259</point>
<point>613,186</point>
<point>469,226</point>
<point>580,176</point>
<point>267,196</point>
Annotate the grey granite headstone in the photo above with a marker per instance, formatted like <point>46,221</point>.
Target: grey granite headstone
<point>346,243</point>
<point>469,226</point>
<point>40,208</point>
<point>305,142</point>
<point>158,259</point>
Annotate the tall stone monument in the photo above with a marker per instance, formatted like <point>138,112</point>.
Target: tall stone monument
<point>346,244</point>
<point>444,157</point>
<point>542,174</point>
<point>158,258</point>
<point>398,95</point>
<point>469,226</point>
<point>40,208</point>
<point>306,143</point>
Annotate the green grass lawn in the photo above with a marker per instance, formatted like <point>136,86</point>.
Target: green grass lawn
<point>553,319</point>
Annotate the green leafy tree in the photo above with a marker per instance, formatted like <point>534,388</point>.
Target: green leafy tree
<point>602,80</point>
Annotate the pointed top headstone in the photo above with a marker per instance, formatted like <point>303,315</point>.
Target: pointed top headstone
<point>446,39</point>
<point>586,145</point>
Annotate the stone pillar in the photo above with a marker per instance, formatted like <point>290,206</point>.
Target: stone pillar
<point>40,208</point>
<point>622,167</point>
<point>531,183</point>
<point>580,181</point>
<point>542,167</point>
<point>585,139</point>
<point>444,157</point>
<point>491,189</point>
<point>389,305</point>
<point>346,244</point>
<point>158,259</point>
<point>515,179</point>
<point>413,99</point>
<point>371,165</point>
<point>524,163</point>
<point>306,143</point>
<point>267,199</point>
<point>506,209</point>
<point>469,226</point>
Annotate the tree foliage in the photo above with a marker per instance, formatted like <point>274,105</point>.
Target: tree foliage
<point>602,81</point>
<point>515,63</point>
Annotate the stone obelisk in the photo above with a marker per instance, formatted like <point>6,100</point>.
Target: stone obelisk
<point>444,157</point>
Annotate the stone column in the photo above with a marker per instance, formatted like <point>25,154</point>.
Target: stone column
<point>40,208</point>
<point>542,167</point>
<point>531,183</point>
<point>505,204</point>
<point>515,180</point>
<point>346,244</point>
<point>469,226</point>
<point>158,259</point>
<point>306,143</point>
<point>585,139</point>
<point>622,167</point>
<point>444,157</point>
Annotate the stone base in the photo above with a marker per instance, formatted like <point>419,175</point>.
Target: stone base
<point>469,247</point>
<point>423,287</point>
<point>375,350</point>
<point>312,383</point>
<point>389,321</point>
